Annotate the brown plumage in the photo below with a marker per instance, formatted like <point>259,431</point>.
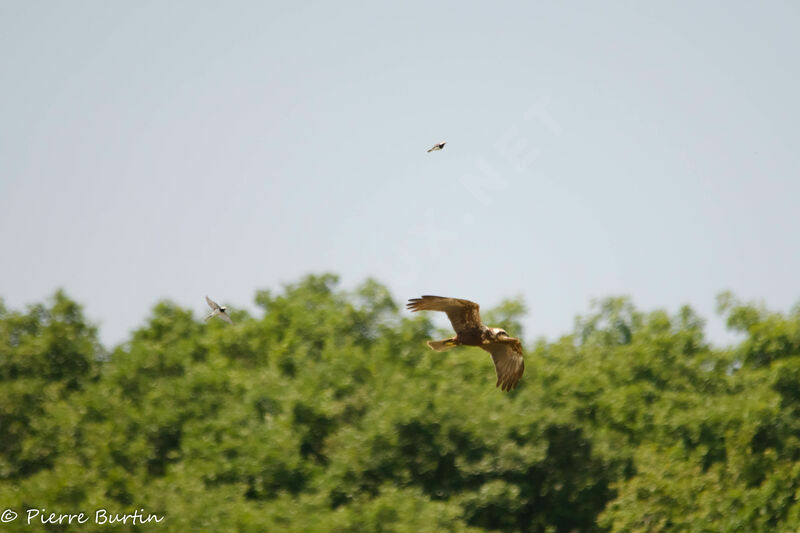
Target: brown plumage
<point>466,320</point>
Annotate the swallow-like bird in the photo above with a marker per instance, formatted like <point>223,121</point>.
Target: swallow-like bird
<point>217,310</point>
<point>466,320</point>
<point>435,147</point>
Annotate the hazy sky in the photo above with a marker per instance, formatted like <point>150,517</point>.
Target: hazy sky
<point>156,149</point>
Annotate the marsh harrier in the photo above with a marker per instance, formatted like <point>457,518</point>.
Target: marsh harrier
<point>466,320</point>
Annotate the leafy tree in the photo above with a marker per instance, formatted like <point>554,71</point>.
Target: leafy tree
<point>46,355</point>
<point>327,412</point>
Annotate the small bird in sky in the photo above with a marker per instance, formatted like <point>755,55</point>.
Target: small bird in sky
<point>217,310</point>
<point>438,146</point>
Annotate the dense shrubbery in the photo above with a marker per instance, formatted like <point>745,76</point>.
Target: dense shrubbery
<point>329,413</point>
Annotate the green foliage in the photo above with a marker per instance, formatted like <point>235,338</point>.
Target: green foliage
<point>328,413</point>
<point>46,355</point>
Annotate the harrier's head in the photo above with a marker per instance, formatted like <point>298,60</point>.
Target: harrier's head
<point>498,333</point>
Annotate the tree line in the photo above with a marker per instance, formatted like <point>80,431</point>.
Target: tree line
<point>327,412</point>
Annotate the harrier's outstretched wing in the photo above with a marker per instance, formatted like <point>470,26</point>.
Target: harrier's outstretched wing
<point>212,304</point>
<point>224,316</point>
<point>508,362</point>
<point>463,314</point>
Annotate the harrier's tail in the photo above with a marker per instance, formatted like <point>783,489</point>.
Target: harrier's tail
<point>440,346</point>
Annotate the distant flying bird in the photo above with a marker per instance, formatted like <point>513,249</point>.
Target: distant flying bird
<point>466,320</point>
<point>216,310</point>
<point>436,147</point>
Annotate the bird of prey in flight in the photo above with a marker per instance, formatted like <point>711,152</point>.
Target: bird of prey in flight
<point>217,310</point>
<point>466,320</point>
<point>435,147</point>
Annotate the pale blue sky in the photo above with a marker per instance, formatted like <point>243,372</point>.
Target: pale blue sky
<point>156,150</point>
